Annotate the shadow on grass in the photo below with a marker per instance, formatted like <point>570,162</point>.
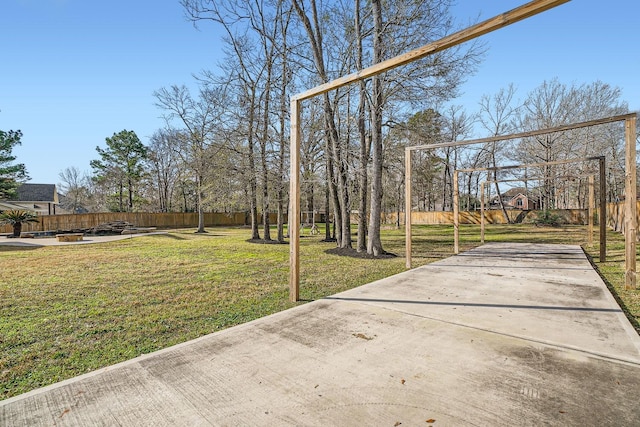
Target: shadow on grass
<point>172,236</point>
<point>21,247</point>
<point>348,252</point>
<point>266,242</point>
<point>612,289</point>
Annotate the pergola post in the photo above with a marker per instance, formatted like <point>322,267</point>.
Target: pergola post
<point>603,210</point>
<point>482,212</point>
<point>456,213</point>
<point>407,206</point>
<point>294,211</point>
<point>590,209</point>
<point>630,212</point>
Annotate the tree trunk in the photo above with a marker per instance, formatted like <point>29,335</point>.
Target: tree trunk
<point>265,192</point>
<point>253,184</point>
<point>327,212</point>
<point>120,195</point>
<point>333,192</point>
<point>130,189</point>
<point>283,142</point>
<point>17,229</point>
<point>374,244</point>
<point>200,208</point>
<point>364,146</point>
<point>494,163</point>
<point>339,190</point>
<point>266,101</point>
<point>342,194</point>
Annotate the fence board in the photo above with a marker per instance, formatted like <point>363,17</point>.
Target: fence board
<point>138,219</point>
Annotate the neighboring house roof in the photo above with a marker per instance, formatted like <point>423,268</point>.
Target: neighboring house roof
<point>514,192</point>
<point>37,193</point>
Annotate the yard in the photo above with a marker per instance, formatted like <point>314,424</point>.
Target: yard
<point>69,310</point>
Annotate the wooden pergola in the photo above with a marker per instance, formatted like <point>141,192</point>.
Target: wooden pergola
<point>603,190</point>
<point>500,21</point>
<point>630,208</point>
<point>590,207</point>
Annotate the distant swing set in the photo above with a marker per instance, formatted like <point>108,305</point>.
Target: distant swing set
<point>518,14</point>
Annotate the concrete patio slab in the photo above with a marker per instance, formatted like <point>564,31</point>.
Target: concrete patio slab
<point>503,335</point>
<point>88,239</point>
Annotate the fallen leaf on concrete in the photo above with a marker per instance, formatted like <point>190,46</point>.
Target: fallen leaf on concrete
<point>431,421</point>
<point>402,381</point>
<point>362,336</point>
<point>397,424</point>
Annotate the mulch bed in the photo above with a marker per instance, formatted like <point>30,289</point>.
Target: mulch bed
<point>355,254</point>
<point>267,242</point>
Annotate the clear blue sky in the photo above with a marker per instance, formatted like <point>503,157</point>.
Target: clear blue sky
<point>76,71</point>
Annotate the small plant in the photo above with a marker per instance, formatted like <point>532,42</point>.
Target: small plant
<point>16,218</point>
<point>547,217</point>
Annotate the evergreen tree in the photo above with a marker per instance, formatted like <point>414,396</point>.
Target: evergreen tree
<point>11,175</point>
<point>121,167</point>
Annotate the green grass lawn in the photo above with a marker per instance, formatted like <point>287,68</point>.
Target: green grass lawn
<point>67,310</point>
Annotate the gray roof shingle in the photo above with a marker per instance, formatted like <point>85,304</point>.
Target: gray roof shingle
<point>37,193</point>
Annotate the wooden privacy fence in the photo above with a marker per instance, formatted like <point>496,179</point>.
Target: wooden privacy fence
<point>568,216</point>
<point>615,216</point>
<point>615,219</point>
<point>138,219</point>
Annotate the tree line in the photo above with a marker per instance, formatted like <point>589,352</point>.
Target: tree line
<point>225,147</point>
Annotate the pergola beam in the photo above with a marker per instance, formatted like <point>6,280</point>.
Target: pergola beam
<point>530,165</point>
<point>500,21</point>
<point>562,128</point>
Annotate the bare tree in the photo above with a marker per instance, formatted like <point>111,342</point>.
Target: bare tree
<point>199,140</point>
<point>334,151</point>
<point>257,68</point>
<point>457,125</point>
<point>554,103</point>
<point>497,115</point>
<point>164,164</point>
<point>365,140</point>
<point>75,187</point>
